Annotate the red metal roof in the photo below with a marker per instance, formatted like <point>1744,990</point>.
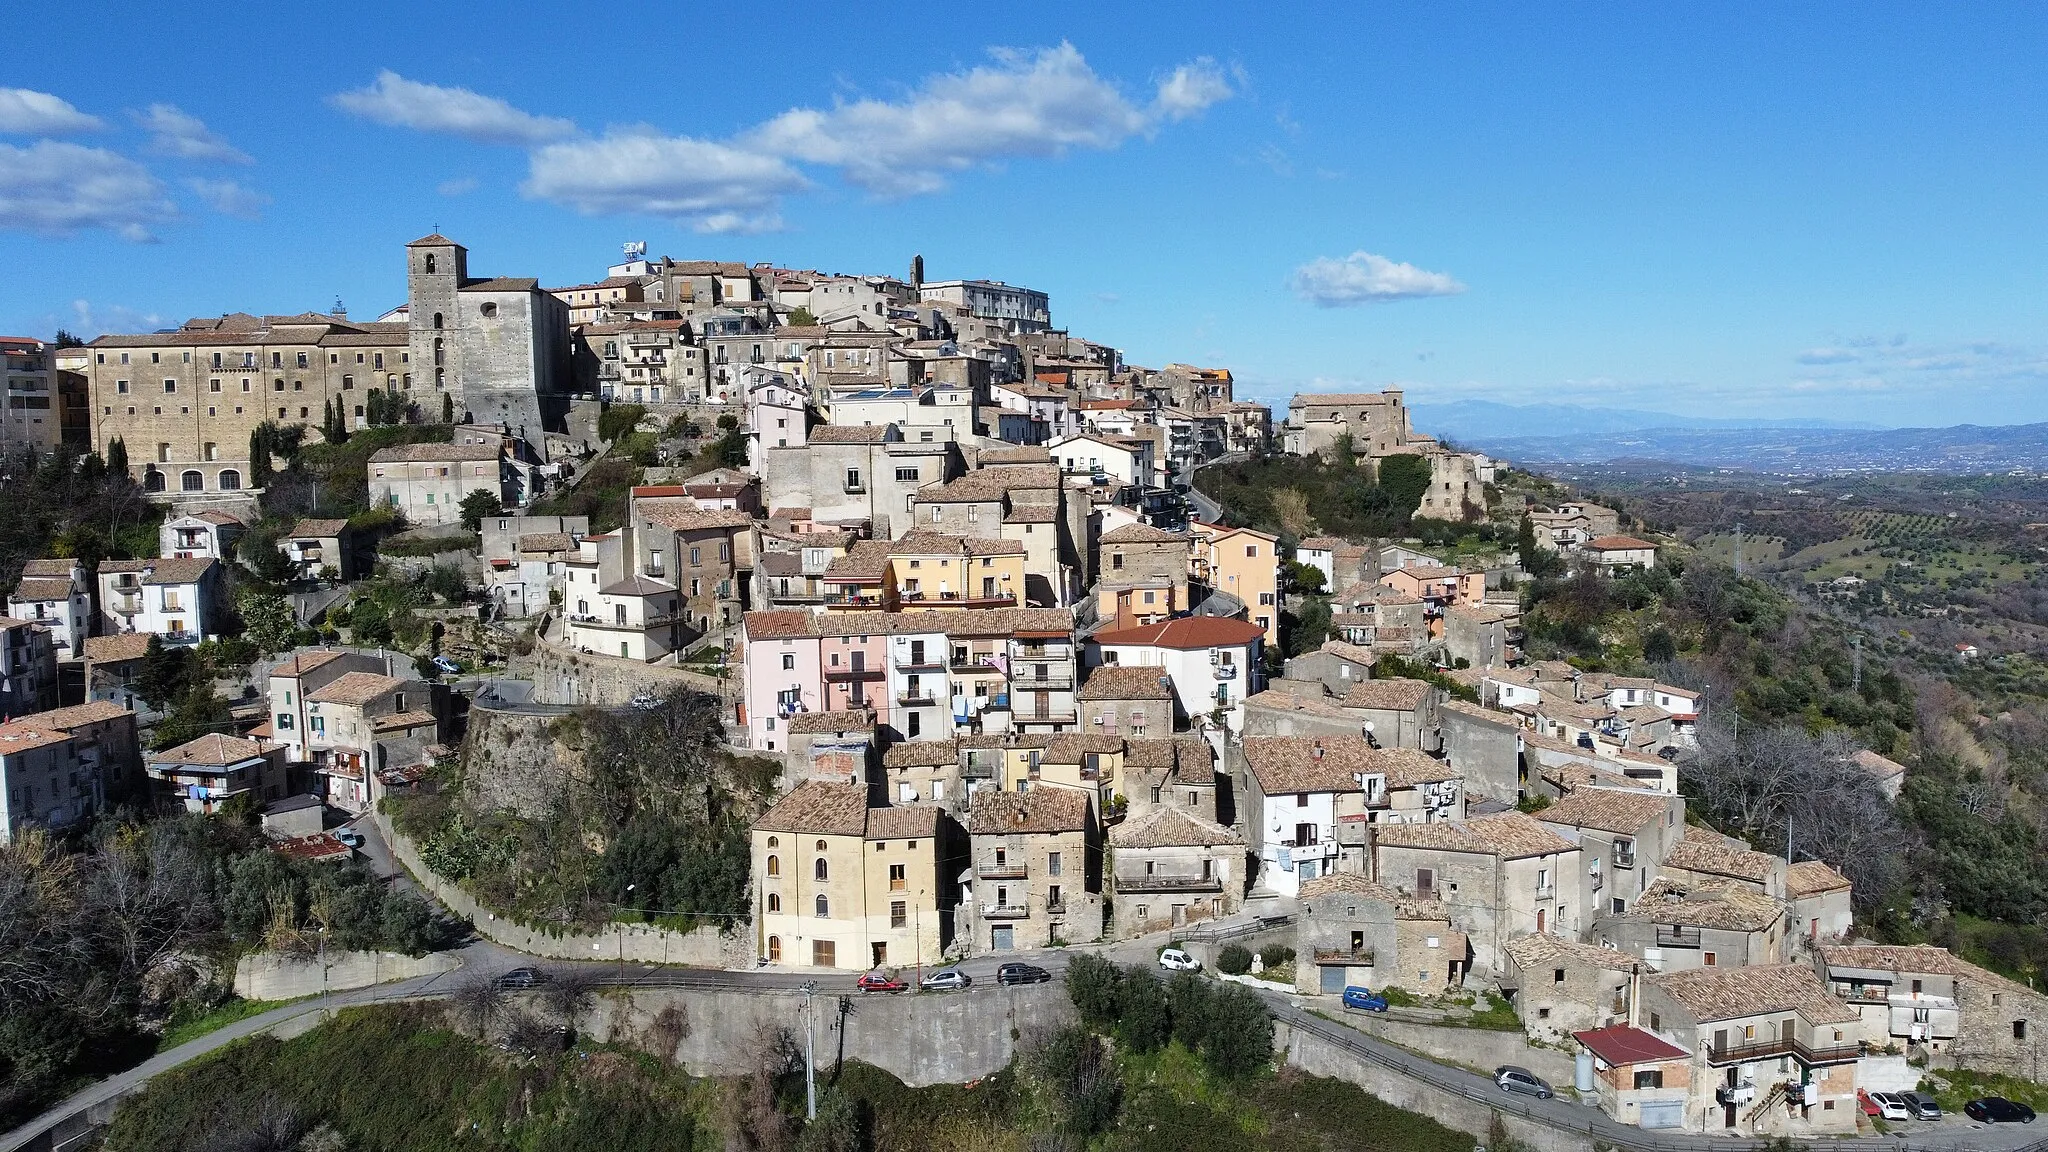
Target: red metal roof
<point>1622,1044</point>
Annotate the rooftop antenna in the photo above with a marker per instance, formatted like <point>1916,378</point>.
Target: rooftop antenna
<point>635,249</point>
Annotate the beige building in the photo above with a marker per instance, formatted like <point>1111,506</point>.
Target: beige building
<point>1821,902</point>
<point>1561,986</point>
<point>840,885</point>
<point>1623,836</point>
<point>1173,868</point>
<point>347,719</point>
<point>427,483</point>
<point>1679,925</point>
<point>1353,931</point>
<point>28,668</point>
<point>59,768</point>
<point>1931,1002</point>
<point>1036,870</point>
<point>1144,575</point>
<point>1774,1052</point>
<point>1503,875</point>
<point>320,549</point>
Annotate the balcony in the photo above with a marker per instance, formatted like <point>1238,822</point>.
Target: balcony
<point>853,602</point>
<point>921,698</point>
<point>1546,892</point>
<point>1050,682</point>
<point>1677,936</point>
<point>1001,871</point>
<point>975,663</point>
<point>1226,671</point>
<point>1769,1049</point>
<point>1005,912</point>
<point>928,662</point>
<point>1361,957</point>
<point>1321,850</point>
<point>978,770</point>
<point>856,673</point>
<point>659,620</point>
<point>1624,858</point>
<point>1048,717</point>
<point>1168,884</point>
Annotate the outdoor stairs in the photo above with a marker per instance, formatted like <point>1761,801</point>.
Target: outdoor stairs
<point>1775,1096</point>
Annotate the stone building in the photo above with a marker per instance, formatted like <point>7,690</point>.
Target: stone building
<point>499,346</point>
<point>1143,575</point>
<point>207,772</point>
<point>1177,772</point>
<point>1037,870</point>
<point>427,483</point>
<point>1485,745</point>
<point>1173,868</point>
<point>860,474</point>
<point>1678,925</point>
<point>1121,700</point>
<point>1623,836</point>
<point>1929,1001</point>
<point>348,720</point>
<point>1560,986</point>
<point>1353,931</point>
<point>1821,905</point>
<point>59,768</point>
<point>1502,875</point>
<point>38,397</point>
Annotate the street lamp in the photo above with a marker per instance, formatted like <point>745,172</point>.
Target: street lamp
<point>622,940</point>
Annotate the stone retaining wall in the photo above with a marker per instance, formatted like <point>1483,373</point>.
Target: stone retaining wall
<point>269,976</point>
<point>564,676</point>
<point>638,943</point>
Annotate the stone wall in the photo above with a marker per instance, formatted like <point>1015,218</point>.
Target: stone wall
<point>1320,1057</point>
<point>1473,1047</point>
<point>921,1039</point>
<point>513,761</point>
<point>565,677</point>
<point>634,943</point>
<point>269,976</point>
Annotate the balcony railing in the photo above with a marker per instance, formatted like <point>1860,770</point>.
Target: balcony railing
<point>930,662</point>
<point>976,662</point>
<point>1781,1046</point>
<point>920,698</point>
<point>1168,884</point>
<point>1005,912</point>
<point>1049,717</point>
<point>1624,858</point>
<point>853,673</point>
<point>1226,671</point>
<point>1677,936</point>
<point>661,620</point>
<point>1362,957</point>
<point>1001,871</point>
<point>978,770</point>
<point>1050,682</point>
<point>869,603</point>
<point>1546,892</point>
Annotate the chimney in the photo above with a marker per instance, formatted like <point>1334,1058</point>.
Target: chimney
<point>1319,748</point>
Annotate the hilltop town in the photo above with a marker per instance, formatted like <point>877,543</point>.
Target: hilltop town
<point>979,665</point>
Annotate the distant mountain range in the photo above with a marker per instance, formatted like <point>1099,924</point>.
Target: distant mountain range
<point>1965,449</point>
<point>1474,420</point>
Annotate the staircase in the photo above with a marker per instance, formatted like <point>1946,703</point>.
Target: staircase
<point>1763,1104</point>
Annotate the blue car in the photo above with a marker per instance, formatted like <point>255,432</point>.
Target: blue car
<point>1364,999</point>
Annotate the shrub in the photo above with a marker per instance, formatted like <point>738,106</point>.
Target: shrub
<point>1146,1022</point>
<point>1187,995</point>
<point>1234,960</point>
<point>1238,1039</point>
<point>1096,987</point>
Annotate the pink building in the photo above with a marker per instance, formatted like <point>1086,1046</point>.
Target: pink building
<point>855,651</point>
<point>780,660</point>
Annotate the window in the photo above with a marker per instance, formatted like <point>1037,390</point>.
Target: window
<point>1557,975</point>
<point>824,907</point>
<point>774,866</point>
<point>1709,959</point>
<point>907,475</point>
<point>170,385</point>
<point>430,268</point>
<point>819,869</point>
<point>788,661</point>
<point>121,386</point>
<point>898,881</point>
<point>490,311</point>
<point>1116,561</point>
<point>1653,1078</point>
<point>775,902</point>
<point>1052,863</point>
<point>2019,1029</point>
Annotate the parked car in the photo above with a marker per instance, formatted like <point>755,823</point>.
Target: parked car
<point>881,982</point>
<point>1514,1078</point>
<point>1364,999</point>
<point>447,665</point>
<point>646,702</point>
<point>1178,960</point>
<point>349,836</point>
<point>1998,1110</point>
<point>523,978</point>
<point>947,980</point>
<point>1022,974</point>
<point>1889,1106</point>
<point>1920,1105</point>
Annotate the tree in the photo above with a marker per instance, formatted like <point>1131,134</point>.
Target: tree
<point>165,673</point>
<point>1146,1021</point>
<point>447,407</point>
<point>1239,1039</point>
<point>259,553</point>
<point>801,318</point>
<point>1659,647</point>
<point>268,621</point>
<point>1405,478</point>
<point>65,339</point>
<point>1304,578</point>
<point>1095,985</point>
<point>1525,544</point>
<point>259,457</point>
<point>117,456</point>
<point>619,421</point>
<point>477,505</point>
<point>1187,995</point>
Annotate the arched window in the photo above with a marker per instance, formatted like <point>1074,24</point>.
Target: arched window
<point>774,864</point>
<point>152,481</point>
<point>774,841</point>
<point>430,268</point>
<point>230,480</point>
<point>775,902</point>
<point>818,869</point>
<point>824,908</point>
<point>775,949</point>
<point>193,481</point>
<point>821,845</point>
<point>490,311</point>
<point>437,319</point>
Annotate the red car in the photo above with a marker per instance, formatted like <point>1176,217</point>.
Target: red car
<point>877,982</point>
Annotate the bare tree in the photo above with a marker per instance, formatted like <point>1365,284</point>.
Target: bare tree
<point>570,994</point>
<point>480,1001</point>
<point>525,1033</point>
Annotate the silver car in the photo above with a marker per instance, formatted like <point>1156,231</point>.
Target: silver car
<point>1514,1078</point>
<point>946,980</point>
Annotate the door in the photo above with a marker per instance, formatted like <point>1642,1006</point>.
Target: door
<point>1180,915</point>
<point>881,954</point>
<point>1332,978</point>
<point>1002,938</point>
<point>1662,1114</point>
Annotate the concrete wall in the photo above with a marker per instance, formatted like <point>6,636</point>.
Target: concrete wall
<point>1320,1057</point>
<point>921,1039</point>
<point>637,943</point>
<point>1481,1048</point>
<point>269,976</point>
<point>562,676</point>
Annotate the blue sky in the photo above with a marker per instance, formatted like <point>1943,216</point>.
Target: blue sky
<point>1694,211</point>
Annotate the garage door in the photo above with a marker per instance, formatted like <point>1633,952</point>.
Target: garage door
<point>1002,939</point>
<point>1333,977</point>
<point>1663,1114</point>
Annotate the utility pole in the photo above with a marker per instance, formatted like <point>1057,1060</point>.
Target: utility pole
<point>810,1051</point>
<point>1738,547</point>
<point>1856,661</point>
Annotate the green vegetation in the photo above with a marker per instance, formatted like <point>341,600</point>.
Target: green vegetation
<point>665,801</point>
<point>188,1022</point>
<point>412,545</point>
<point>71,505</point>
<point>384,612</point>
<point>1295,496</point>
<point>602,494</point>
<point>332,480</point>
<point>1954,1087</point>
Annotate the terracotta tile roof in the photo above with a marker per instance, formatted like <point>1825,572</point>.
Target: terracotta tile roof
<point>317,846</point>
<point>26,735</point>
<point>114,649</point>
<point>1021,455</point>
<point>434,453</point>
<point>306,661</point>
<point>915,821</point>
<point>1170,826</point>
<point>922,754</point>
<point>317,529</point>
<point>1039,811</point>
<point>1608,810</point>
<point>1031,514</point>
<point>78,715</point>
<point>1531,952</point>
<point>1812,877</point>
<point>41,588</point>
<point>819,807</point>
<point>1410,767</point>
<point>1186,633</point>
<point>503,284</point>
<point>1393,695</point>
<point>169,570</point>
<point>636,585</point>
<point>1731,993</point>
<point>1321,543</point>
<point>213,751</point>
<point>781,624</point>
<point>354,688</point>
<point>1900,958</point>
<point>1007,622</point>
<point>681,514</point>
<point>1621,1045</point>
<point>819,723</point>
<point>1072,747</point>
<point>1510,835</point>
<point>1724,905</point>
<point>1286,764</point>
<point>396,721</point>
<point>1141,534</point>
<point>1351,652</point>
<point>1299,696</point>
<point>1704,851</point>
<point>48,568</point>
<point>926,542</point>
<point>546,542</point>
<point>1126,682</point>
<point>1878,766</point>
<point>986,484</point>
<point>1406,907</point>
<point>1461,708</point>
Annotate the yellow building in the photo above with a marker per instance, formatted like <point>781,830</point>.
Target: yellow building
<point>934,570</point>
<point>840,885</point>
<point>1092,765</point>
<point>1243,563</point>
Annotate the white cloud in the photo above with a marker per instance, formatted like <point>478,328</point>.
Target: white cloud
<point>1024,104</point>
<point>400,103</point>
<point>1191,89</point>
<point>55,187</point>
<point>459,186</point>
<point>1825,356</point>
<point>229,198</point>
<point>714,187</point>
<point>1363,278</point>
<point>179,134</point>
<point>89,321</point>
<point>29,112</point>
